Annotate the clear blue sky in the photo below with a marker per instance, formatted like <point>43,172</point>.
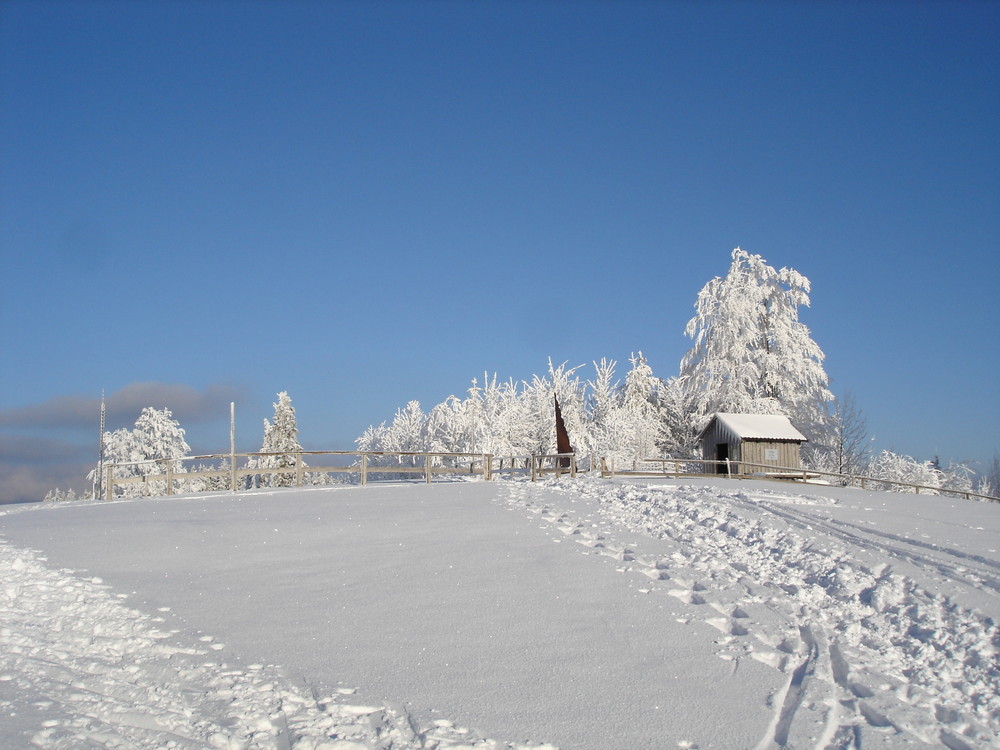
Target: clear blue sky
<point>366,203</point>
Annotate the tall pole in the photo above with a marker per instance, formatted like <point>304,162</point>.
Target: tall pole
<point>232,445</point>
<point>99,479</point>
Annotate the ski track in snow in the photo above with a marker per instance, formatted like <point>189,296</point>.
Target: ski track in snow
<point>101,675</point>
<point>873,658</point>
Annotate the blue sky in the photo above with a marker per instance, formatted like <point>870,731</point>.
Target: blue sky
<point>367,203</point>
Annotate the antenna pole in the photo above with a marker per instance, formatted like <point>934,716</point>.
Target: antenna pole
<point>232,444</point>
<point>99,479</point>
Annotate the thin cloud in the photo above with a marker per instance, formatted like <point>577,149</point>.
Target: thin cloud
<point>29,449</point>
<point>187,404</point>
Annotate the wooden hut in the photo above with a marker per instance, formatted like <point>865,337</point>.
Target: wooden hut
<point>765,439</point>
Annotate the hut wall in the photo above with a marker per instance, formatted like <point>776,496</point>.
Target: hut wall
<point>786,453</point>
<point>719,434</point>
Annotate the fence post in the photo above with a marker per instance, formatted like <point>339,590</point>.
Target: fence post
<point>572,466</point>
<point>298,470</point>
<point>110,491</point>
<point>169,472</point>
<point>488,467</point>
<point>534,475</point>
<point>427,468</point>
<point>364,469</point>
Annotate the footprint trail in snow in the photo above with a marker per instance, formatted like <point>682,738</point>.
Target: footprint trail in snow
<point>872,658</point>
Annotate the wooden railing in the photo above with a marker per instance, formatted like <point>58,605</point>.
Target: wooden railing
<point>680,467</point>
<point>560,463</point>
<point>165,471</point>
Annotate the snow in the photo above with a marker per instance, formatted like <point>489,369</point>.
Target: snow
<point>586,613</point>
<point>759,426</point>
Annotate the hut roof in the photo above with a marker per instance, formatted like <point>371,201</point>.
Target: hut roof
<point>757,426</point>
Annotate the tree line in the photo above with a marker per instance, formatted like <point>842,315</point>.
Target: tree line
<point>750,354</point>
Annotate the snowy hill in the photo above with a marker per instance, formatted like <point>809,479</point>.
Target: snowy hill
<point>587,614</point>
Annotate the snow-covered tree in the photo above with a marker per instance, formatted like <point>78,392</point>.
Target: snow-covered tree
<point>751,353</point>
<point>158,436</point>
<point>372,439</point>
<point>604,404</point>
<point>155,440</point>
<point>406,433</point>
<point>958,477</point>
<point>676,437</point>
<point>641,410</point>
<point>449,426</point>
<point>626,422</point>
<point>57,495</point>
<point>493,417</point>
<point>989,480</point>
<point>539,434</point>
<point>281,441</point>
<point>897,467</point>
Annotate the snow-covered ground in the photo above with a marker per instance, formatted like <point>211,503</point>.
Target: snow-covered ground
<point>583,614</point>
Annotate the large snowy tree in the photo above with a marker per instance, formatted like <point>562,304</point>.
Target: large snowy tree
<point>751,353</point>
<point>143,450</point>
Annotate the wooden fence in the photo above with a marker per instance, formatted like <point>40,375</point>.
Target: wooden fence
<point>164,475</point>
<point>682,467</point>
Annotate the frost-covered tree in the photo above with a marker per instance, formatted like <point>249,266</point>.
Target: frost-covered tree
<point>159,436</point>
<point>539,410</point>
<point>282,443</point>
<point>450,426</point>
<point>751,353</point>
<point>897,467</point>
<point>372,439</point>
<point>958,477</point>
<point>626,422</point>
<point>155,440</point>
<point>57,495</point>
<point>406,433</point>
<point>989,480</point>
<point>604,403</point>
<point>641,409</point>
<point>676,437</point>
<point>497,409</point>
